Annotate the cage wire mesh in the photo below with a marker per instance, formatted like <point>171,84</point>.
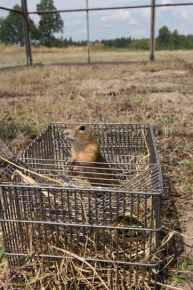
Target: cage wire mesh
<point>113,231</point>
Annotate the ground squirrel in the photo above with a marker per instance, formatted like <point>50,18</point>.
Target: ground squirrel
<point>86,156</point>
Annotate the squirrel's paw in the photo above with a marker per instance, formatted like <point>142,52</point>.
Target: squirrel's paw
<point>71,166</point>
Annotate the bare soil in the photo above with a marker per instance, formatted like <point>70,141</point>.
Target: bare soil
<point>130,80</point>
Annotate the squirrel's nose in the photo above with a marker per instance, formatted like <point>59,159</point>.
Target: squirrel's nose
<point>66,132</point>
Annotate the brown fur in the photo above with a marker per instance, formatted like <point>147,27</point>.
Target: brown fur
<point>85,148</point>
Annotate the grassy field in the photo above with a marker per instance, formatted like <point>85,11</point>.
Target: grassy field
<point>15,56</point>
<point>160,93</point>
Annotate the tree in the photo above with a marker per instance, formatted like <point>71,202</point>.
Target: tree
<point>175,39</point>
<point>49,23</point>
<point>11,28</point>
<point>142,43</point>
<point>163,39</point>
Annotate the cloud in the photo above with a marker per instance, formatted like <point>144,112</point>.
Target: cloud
<point>76,22</point>
<point>35,18</point>
<point>185,15</point>
<point>180,28</point>
<point>103,25</point>
<point>84,31</point>
<point>121,15</point>
<point>136,33</point>
<point>166,8</point>
<point>146,13</point>
<point>132,21</point>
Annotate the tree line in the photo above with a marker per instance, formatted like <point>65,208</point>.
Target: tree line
<point>11,32</point>
<point>166,40</point>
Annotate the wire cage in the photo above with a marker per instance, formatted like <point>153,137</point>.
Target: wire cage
<point>103,237</point>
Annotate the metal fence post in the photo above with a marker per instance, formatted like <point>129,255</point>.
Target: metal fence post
<point>152,33</point>
<point>88,41</point>
<point>26,32</point>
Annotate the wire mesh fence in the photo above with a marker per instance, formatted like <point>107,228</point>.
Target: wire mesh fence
<point>56,218</point>
<point>88,9</point>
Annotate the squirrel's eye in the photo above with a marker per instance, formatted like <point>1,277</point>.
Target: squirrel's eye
<point>82,128</point>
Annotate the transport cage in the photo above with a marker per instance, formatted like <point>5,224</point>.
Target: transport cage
<point>96,235</point>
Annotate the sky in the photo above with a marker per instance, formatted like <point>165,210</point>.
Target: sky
<point>107,24</point>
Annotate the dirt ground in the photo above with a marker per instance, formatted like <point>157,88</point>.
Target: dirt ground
<point>174,99</point>
<point>128,81</point>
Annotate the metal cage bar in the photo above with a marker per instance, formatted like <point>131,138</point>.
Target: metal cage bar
<point>27,32</point>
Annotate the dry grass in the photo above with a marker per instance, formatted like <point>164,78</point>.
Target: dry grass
<point>14,55</point>
<point>160,93</point>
